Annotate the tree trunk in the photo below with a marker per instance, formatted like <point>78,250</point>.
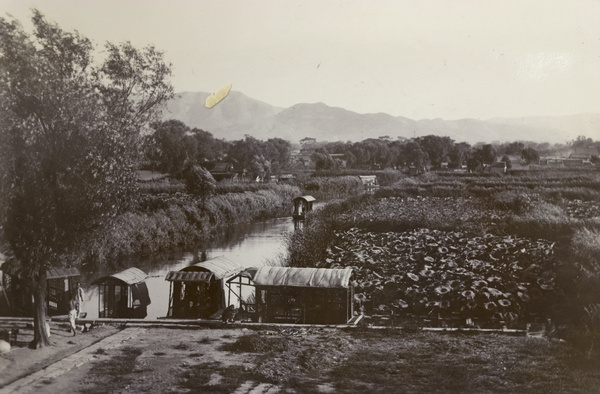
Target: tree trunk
<point>40,335</point>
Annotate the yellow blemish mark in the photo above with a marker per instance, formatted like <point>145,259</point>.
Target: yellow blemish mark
<point>216,97</point>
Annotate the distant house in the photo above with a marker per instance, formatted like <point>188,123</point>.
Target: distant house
<point>551,162</point>
<point>369,182</point>
<point>416,170</point>
<point>224,171</point>
<point>281,178</point>
<point>302,159</point>
<point>308,140</point>
<point>582,156</point>
<point>498,168</point>
<point>517,163</point>
<point>584,153</point>
<point>573,163</point>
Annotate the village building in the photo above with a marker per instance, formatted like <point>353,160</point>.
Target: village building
<point>224,171</point>
<point>498,168</point>
<point>369,182</point>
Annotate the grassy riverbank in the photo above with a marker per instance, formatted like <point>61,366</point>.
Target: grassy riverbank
<point>164,221</point>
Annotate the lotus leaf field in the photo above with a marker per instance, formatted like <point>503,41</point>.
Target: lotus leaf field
<point>488,280</point>
<point>582,209</point>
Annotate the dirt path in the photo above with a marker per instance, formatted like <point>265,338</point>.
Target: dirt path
<point>37,380</point>
<point>22,361</point>
<point>313,360</point>
<point>154,360</point>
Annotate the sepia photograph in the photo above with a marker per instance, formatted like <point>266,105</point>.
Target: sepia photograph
<point>299,196</point>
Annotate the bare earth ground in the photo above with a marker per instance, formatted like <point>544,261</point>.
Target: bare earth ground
<point>309,360</point>
<point>22,360</point>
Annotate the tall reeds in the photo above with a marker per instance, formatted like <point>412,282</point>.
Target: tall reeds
<point>164,222</point>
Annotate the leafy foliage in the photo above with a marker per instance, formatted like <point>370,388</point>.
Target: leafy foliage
<point>200,182</point>
<point>69,138</point>
<point>530,155</point>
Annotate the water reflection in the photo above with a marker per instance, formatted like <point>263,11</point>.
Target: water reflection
<point>250,245</point>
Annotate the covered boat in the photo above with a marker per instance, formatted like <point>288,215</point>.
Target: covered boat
<point>302,204</point>
<point>123,295</point>
<point>16,298</point>
<point>300,295</point>
<point>198,291</point>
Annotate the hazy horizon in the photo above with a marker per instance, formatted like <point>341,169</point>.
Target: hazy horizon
<point>399,116</point>
<point>420,60</point>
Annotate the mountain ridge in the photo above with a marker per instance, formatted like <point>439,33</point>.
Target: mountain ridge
<point>239,115</point>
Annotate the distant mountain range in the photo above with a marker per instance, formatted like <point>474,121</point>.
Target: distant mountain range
<point>238,115</point>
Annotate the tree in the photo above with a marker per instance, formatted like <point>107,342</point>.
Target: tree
<point>209,149</point>
<point>412,153</point>
<point>514,148</point>
<point>437,148</point>
<point>582,142</point>
<point>486,154</point>
<point>323,160</point>
<point>200,182</point>
<point>170,148</point>
<point>278,152</point>
<point>506,159</point>
<point>458,154</point>
<point>69,142</point>
<point>530,155</point>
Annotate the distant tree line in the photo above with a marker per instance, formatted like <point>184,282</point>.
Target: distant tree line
<point>174,148</point>
<point>435,152</point>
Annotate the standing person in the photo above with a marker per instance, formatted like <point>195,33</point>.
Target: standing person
<point>73,305</point>
<point>79,298</point>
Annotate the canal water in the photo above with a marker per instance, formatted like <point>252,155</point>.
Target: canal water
<point>251,245</point>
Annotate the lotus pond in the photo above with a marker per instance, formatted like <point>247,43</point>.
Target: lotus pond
<point>446,277</point>
<point>437,251</point>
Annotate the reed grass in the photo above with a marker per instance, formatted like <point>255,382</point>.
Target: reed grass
<point>165,222</point>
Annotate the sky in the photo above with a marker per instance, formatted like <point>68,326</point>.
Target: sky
<point>421,59</point>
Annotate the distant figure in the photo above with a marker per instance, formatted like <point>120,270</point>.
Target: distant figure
<point>73,304</point>
<point>79,298</point>
<point>228,314</point>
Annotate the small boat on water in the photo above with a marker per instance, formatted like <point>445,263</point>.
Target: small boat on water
<point>123,295</point>
<point>198,291</point>
<point>302,204</point>
<point>297,295</point>
<point>16,298</point>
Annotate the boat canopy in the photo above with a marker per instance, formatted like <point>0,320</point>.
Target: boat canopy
<point>221,267</point>
<point>181,276</point>
<point>12,268</point>
<point>302,277</point>
<point>306,198</point>
<point>55,273</point>
<point>130,276</point>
